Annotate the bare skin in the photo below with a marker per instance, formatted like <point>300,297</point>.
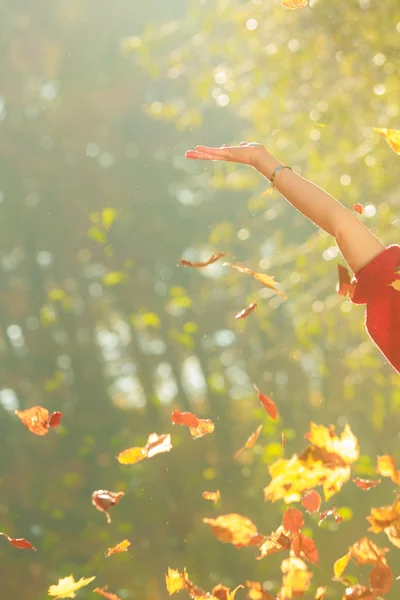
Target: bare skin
<point>357,244</point>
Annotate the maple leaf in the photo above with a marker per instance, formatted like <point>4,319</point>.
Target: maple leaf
<point>210,261</point>
<point>235,529</point>
<point>263,278</point>
<point>296,578</point>
<point>156,444</point>
<point>67,586</point>
<point>366,484</point>
<point>346,285</point>
<point>251,441</point>
<point>267,403</point>
<point>386,466</point>
<point>311,501</point>
<point>37,419</point>
<point>392,137</point>
<point>213,496</point>
<point>246,311</point>
<point>386,519</point>
<point>21,543</point>
<point>103,500</point>
<point>121,547</point>
<point>103,592</point>
<point>293,4</point>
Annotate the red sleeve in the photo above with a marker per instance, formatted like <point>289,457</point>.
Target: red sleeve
<point>382,315</point>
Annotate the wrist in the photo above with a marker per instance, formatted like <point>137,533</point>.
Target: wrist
<point>267,165</point>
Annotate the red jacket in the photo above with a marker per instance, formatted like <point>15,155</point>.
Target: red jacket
<point>382,315</point>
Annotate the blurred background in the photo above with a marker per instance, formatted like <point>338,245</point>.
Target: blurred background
<point>98,103</point>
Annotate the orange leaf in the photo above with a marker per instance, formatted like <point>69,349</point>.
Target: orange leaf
<point>37,420</point>
<point>293,4</point>
<point>256,591</point>
<point>366,484</point>
<point>346,286</point>
<point>214,496</point>
<point>103,500</point>
<point>387,519</point>
<point>267,403</point>
<point>175,581</point>
<point>204,427</point>
<point>304,546</point>
<point>381,579</point>
<point>311,501</point>
<point>251,441</point>
<point>277,541</point>
<point>246,311</point>
<point>263,278</point>
<point>235,529</point>
<point>386,467</point>
<point>103,592</point>
<point>358,208</point>
<point>292,520</point>
<point>184,418</point>
<point>210,261</point>
<point>121,547</point>
<point>392,137</point>
<point>20,543</point>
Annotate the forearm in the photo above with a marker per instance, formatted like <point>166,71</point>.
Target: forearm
<point>357,244</point>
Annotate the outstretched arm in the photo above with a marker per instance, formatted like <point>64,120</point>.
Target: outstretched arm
<point>357,244</point>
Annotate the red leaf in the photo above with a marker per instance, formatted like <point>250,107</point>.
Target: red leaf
<point>345,285</point>
<point>184,418</point>
<point>246,311</point>
<point>366,484</point>
<point>304,546</point>
<point>381,578</point>
<point>311,501</point>
<point>19,542</point>
<point>267,403</point>
<point>292,520</point>
<point>55,419</point>
<point>198,265</point>
<point>358,208</point>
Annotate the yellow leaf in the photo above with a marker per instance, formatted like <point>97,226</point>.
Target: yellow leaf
<point>396,284</point>
<point>108,216</point>
<point>130,456</point>
<point>392,137</point>
<point>67,586</point>
<point>346,446</point>
<point>263,278</point>
<point>175,581</point>
<point>97,235</point>
<point>386,466</point>
<point>340,565</point>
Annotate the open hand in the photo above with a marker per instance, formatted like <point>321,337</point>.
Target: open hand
<point>246,153</point>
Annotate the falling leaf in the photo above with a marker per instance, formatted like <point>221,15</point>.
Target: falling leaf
<point>278,540</point>
<point>392,137</point>
<point>283,438</point>
<point>340,565</point>
<point>365,552</point>
<point>366,484</point>
<point>268,192</point>
<point>311,501</point>
<point>305,547</point>
<point>67,586</point>
<point>256,591</point>
<point>320,593</point>
<point>103,592</point>
<point>246,311</point>
<point>156,444</point>
<point>293,4</point>
<point>296,579</point>
<point>19,542</point>
<point>387,519</point>
<point>396,285</point>
<point>37,419</point>
<point>267,403</point>
<point>358,208</point>
<point>263,278</point>
<point>386,466</point>
<point>251,441</point>
<point>185,418</point>
<point>292,520</point>
<point>103,500</point>
<point>175,581</point>
<point>359,592</point>
<point>235,529</point>
<point>345,447</point>
<point>210,261</point>
<point>346,286</point>
<point>330,512</point>
<point>121,547</point>
<point>213,496</point>
<point>204,427</point>
<point>381,578</point>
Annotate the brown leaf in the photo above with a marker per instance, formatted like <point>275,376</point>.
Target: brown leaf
<point>103,500</point>
<point>381,579</point>
<point>184,418</point>
<point>55,419</point>
<point>311,501</point>
<point>121,547</point>
<point>386,466</point>
<point>267,403</point>
<point>366,484</point>
<point>263,278</point>
<point>346,287</point>
<point>20,543</point>
<point>37,419</point>
<point>213,496</point>
<point>103,592</point>
<point>292,520</point>
<point>246,311</point>
<point>305,547</point>
<point>251,441</point>
<point>235,529</point>
<point>199,265</point>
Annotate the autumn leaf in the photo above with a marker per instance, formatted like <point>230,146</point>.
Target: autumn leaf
<point>365,552</point>
<point>121,547</point>
<point>392,137</point>
<point>204,427</point>
<point>346,287</point>
<point>267,403</point>
<point>37,419</point>
<point>213,496</point>
<point>358,208</point>
<point>330,512</point>
<point>276,542</point>
<point>359,592</point>
<point>221,592</point>
<point>130,456</point>
<point>386,519</point>
<point>293,4</point>
<point>103,500</point>
<point>320,593</point>
<point>19,542</point>
<point>185,418</point>
<point>283,439</point>
<point>235,529</point>
<point>256,591</point>
<point>67,586</point>
<point>340,565</point>
<point>296,578</point>
<point>246,311</point>
<point>292,520</point>
<point>199,265</point>
<point>311,501</point>
<point>386,466</point>
<point>305,547</point>
<point>175,581</point>
<point>103,592</point>
<point>396,285</point>
<point>366,484</point>
<point>381,578</point>
<point>251,441</point>
<point>263,278</point>
<point>156,444</point>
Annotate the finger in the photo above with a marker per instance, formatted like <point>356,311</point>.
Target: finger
<point>200,155</point>
<point>243,144</point>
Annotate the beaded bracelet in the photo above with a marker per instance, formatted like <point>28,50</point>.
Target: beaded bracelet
<point>277,171</point>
